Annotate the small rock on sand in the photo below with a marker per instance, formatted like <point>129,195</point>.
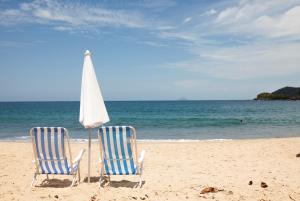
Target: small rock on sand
<point>229,193</point>
<point>263,185</point>
<point>250,182</point>
<point>93,198</point>
<point>210,190</point>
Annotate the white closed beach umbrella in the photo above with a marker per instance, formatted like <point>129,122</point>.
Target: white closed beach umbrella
<point>92,108</point>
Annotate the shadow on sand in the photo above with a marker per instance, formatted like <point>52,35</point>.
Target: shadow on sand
<point>114,184</point>
<point>55,183</point>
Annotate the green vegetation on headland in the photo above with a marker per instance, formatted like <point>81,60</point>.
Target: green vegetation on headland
<point>285,93</point>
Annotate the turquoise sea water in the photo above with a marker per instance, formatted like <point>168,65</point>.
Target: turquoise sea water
<point>162,119</point>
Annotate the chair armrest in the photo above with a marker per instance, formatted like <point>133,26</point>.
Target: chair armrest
<point>79,156</point>
<point>142,156</point>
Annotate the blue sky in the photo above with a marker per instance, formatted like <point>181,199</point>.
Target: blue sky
<point>149,50</point>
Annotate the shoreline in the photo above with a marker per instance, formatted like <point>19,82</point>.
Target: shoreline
<point>28,140</point>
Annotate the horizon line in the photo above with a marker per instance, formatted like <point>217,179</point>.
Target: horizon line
<point>16,101</point>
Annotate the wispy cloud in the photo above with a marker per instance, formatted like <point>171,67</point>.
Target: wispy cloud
<point>245,62</point>
<point>287,24</point>
<point>176,35</point>
<point>244,39</point>
<point>250,40</point>
<point>264,18</point>
<point>65,16</point>
<point>156,4</point>
<point>186,20</point>
<point>18,44</point>
<point>209,12</point>
<point>154,44</point>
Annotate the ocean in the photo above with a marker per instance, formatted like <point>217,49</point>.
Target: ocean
<point>162,120</point>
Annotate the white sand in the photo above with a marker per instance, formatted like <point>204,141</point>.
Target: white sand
<point>173,171</point>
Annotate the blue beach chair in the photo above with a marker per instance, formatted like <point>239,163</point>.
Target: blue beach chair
<point>49,148</point>
<point>118,152</point>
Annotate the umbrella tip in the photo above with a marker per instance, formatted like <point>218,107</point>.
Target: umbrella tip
<point>87,52</point>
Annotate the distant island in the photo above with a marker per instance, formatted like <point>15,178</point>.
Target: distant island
<point>183,99</point>
<point>285,93</point>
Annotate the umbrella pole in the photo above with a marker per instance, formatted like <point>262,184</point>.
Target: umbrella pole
<point>89,160</point>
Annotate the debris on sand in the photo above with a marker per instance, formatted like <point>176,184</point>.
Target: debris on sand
<point>229,193</point>
<point>210,190</point>
<point>291,198</point>
<point>250,182</point>
<point>263,185</point>
<point>298,155</point>
<point>56,196</point>
<point>93,198</point>
<point>144,197</point>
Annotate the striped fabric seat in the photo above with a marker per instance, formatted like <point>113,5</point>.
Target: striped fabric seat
<point>118,156</point>
<point>118,151</point>
<point>49,147</point>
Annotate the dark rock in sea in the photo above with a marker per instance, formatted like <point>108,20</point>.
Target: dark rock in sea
<point>285,93</point>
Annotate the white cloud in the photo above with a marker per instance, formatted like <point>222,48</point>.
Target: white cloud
<point>156,4</point>
<point>262,18</point>
<point>186,20</point>
<point>210,12</point>
<point>154,44</point>
<point>287,24</point>
<point>186,36</point>
<point>244,62</point>
<point>71,15</point>
<point>252,40</point>
<point>165,27</point>
<point>266,31</point>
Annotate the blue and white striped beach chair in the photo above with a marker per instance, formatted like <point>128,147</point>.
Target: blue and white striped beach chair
<point>118,152</point>
<point>49,148</point>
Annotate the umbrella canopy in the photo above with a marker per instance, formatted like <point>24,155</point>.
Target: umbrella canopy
<point>92,109</point>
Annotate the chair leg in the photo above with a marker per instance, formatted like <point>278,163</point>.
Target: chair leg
<point>74,179</point>
<point>100,180</point>
<point>101,175</point>
<point>140,182</point>
<point>33,179</point>
<point>141,177</point>
<point>47,176</point>
<point>78,173</point>
<point>109,179</point>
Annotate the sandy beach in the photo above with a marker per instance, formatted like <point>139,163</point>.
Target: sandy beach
<point>173,171</point>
